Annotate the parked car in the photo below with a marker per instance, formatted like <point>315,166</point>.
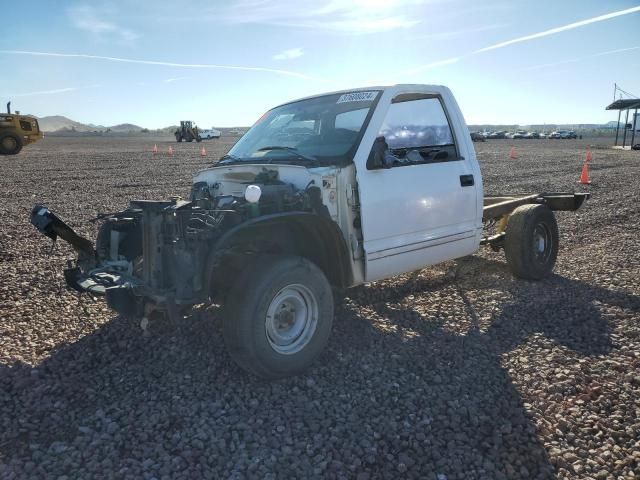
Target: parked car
<point>501,134</point>
<point>517,134</point>
<point>532,135</point>
<point>209,134</point>
<point>477,137</point>
<point>563,134</point>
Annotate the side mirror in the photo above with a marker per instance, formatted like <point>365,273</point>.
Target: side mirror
<point>376,156</point>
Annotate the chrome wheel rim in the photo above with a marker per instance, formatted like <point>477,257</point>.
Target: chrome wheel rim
<point>291,320</point>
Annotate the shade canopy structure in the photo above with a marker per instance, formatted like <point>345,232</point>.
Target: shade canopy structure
<point>626,104</point>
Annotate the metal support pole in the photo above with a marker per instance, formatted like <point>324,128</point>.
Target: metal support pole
<point>618,126</point>
<point>634,127</point>
<point>624,137</point>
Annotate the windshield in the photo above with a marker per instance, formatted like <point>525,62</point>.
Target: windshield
<point>318,131</point>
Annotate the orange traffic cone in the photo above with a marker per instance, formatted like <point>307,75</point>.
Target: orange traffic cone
<point>154,150</point>
<point>588,157</point>
<point>170,151</point>
<point>512,154</point>
<point>584,176</point>
<point>203,152</point>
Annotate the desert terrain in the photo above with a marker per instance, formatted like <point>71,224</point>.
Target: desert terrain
<point>459,371</point>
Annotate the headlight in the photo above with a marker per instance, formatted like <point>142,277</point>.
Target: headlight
<point>252,193</point>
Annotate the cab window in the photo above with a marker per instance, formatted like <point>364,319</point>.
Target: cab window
<point>416,130</point>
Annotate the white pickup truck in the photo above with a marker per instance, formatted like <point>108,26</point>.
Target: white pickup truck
<point>209,133</point>
<point>321,194</point>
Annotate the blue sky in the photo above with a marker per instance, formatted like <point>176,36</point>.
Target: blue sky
<point>224,63</point>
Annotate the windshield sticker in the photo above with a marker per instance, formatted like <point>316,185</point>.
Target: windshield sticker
<point>357,97</point>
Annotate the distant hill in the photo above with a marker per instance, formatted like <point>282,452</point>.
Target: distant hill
<point>125,127</point>
<point>58,123</point>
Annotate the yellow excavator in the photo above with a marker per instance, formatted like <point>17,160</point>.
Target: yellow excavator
<point>16,131</point>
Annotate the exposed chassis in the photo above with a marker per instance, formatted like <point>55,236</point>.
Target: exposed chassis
<point>498,208</point>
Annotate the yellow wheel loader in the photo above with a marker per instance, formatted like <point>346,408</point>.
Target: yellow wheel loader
<point>187,132</point>
<point>16,131</point>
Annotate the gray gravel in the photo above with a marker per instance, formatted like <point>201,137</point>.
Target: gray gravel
<point>455,372</point>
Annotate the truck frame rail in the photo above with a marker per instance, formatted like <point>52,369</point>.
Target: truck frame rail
<point>498,208</point>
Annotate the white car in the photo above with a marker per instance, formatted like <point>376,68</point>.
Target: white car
<point>208,134</point>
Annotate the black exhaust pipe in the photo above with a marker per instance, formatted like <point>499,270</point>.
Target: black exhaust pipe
<point>8,108</point>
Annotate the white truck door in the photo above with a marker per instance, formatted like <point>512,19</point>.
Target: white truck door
<point>419,186</point>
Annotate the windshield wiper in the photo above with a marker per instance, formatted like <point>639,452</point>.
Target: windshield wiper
<point>288,149</point>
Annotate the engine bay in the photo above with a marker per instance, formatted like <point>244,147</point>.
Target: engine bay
<point>156,249</point>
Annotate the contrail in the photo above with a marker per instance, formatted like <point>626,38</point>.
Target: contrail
<point>526,38</point>
<point>579,59</point>
<point>164,64</point>
<point>45,92</point>
<point>439,63</point>
<point>564,28</point>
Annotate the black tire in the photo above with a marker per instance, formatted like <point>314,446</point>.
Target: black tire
<point>531,241</point>
<point>198,139</point>
<point>178,138</point>
<point>10,144</point>
<point>246,322</point>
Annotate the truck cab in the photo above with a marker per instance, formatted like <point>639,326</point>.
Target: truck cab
<point>320,195</point>
<point>395,167</point>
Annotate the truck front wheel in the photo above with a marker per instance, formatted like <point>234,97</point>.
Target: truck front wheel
<point>278,316</point>
<point>531,241</point>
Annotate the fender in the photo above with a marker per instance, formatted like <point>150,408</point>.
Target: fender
<point>323,230</point>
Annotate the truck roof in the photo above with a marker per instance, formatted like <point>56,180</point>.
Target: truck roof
<point>395,89</point>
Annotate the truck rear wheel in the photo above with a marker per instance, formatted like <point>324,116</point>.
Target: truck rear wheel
<point>531,241</point>
<point>10,144</point>
<point>278,316</point>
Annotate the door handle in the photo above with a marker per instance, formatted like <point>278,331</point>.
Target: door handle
<point>466,181</point>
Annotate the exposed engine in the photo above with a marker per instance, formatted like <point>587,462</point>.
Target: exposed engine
<point>156,249</point>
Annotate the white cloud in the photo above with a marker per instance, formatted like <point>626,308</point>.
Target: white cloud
<point>175,79</point>
<point>288,54</point>
<point>526,38</point>
<point>445,35</point>
<point>344,16</point>
<point>276,71</point>
<point>93,20</point>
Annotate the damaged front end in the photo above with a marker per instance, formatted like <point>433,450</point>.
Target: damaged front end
<point>157,253</point>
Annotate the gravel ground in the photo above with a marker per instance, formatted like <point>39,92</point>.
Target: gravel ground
<point>455,372</point>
